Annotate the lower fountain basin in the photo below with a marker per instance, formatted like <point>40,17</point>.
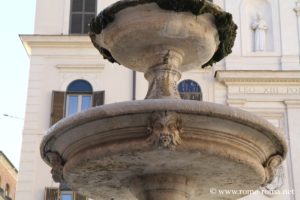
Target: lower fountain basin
<point>147,149</point>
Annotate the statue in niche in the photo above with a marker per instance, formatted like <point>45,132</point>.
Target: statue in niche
<point>260,27</point>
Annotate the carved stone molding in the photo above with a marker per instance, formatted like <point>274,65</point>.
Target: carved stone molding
<point>236,102</point>
<point>276,184</point>
<point>57,166</point>
<point>164,129</point>
<point>31,42</point>
<point>292,103</point>
<point>271,167</point>
<point>276,86</point>
<point>80,68</point>
<point>259,76</point>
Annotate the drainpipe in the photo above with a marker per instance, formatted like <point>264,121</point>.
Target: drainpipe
<point>297,10</point>
<point>133,85</point>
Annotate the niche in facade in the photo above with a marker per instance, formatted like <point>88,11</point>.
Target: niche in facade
<point>257,25</point>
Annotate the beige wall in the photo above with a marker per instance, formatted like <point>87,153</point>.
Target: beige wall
<point>8,176</point>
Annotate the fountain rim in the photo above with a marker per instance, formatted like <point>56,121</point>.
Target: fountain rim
<point>148,106</point>
<point>227,29</point>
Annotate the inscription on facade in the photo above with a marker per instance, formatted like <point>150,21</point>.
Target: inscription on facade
<point>271,90</point>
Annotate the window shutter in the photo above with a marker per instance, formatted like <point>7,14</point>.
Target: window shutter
<point>79,197</point>
<point>51,194</point>
<point>58,105</point>
<point>98,98</point>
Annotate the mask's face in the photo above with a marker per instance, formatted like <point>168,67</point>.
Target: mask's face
<point>165,130</point>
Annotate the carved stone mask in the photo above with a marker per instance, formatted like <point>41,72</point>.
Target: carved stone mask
<point>165,129</point>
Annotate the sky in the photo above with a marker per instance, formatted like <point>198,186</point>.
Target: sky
<point>16,17</point>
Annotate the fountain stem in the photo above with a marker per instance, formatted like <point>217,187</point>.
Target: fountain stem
<point>163,77</point>
<point>162,187</point>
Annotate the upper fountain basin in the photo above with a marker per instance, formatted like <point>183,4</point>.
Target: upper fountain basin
<point>142,35</point>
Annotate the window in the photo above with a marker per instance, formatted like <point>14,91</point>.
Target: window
<point>79,197</point>
<point>1,189</point>
<point>57,194</point>
<point>190,90</point>
<point>79,96</point>
<point>6,191</point>
<point>66,195</point>
<point>82,12</point>
<point>51,193</point>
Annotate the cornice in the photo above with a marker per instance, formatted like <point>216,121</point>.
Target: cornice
<point>199,70</point>
<point>9,167</point>
<point>80,67</point>
<point>260,76</point>
<point>2,155</point>
<point>292,103</point>
<point>236,102</point>
<point>55,41</point>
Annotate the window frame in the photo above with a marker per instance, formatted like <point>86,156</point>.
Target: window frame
<point>79,95</point>
<point>82,13</point>
<point>79,103</point>
<point>59,99</point>
<point>7,190</point>
<point>54,193</point>
<point>190,94</point>
<point>66,192</point>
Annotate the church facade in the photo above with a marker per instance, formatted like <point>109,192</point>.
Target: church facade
<point>68,75</point>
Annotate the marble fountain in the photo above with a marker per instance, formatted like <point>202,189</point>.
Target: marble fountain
<point>163,147</point>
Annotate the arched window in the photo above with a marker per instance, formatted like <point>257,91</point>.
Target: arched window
<point>80,86</point>
<point>6,191</point>
<point>190,90</point>
<point>82,12</point>
<point>79,97</point>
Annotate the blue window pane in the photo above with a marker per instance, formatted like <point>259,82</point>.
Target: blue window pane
<point>66,197</point>
<point>86,102</point>
<point>189,89</point>
<point>72,105</point>
<point>188,86</point>
<point>80,86</point>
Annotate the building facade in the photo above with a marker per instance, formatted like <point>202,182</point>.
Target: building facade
<point>67,75</point>
<point>8,178</point>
